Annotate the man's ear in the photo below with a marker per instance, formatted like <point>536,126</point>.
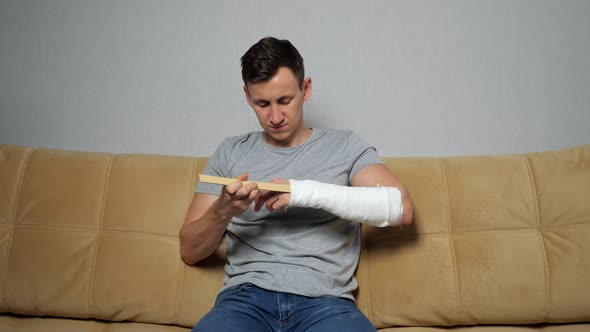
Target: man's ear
<point>307,88</point>
<point>247,94</point>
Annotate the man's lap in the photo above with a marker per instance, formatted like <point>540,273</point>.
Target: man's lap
<point>250,308</point>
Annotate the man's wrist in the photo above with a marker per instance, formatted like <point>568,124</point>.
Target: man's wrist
<point>220,213</point>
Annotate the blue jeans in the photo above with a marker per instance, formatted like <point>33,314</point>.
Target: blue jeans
<point>247,307</point>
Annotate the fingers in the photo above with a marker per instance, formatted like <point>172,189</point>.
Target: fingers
<point>273,202</point>
<point>261,199</point>
<point>247,191</point>
<point>259,203</point>
<point>239,191</point>
<point>280,204</point>
<point>238,197</point>
<point>232,188</point>
<point>268,198</point>
<point>243,195</point>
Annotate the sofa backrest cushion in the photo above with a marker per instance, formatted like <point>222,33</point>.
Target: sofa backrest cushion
<point>496,240</point>
<point>95,235</point>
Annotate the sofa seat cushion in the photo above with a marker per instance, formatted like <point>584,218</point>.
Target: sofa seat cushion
<point>497,328</point>
<point>10,323</point>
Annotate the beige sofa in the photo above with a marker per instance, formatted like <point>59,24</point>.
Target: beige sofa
<point>88,242</point>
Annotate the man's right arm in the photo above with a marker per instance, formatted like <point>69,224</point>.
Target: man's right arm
<point>208,217</point>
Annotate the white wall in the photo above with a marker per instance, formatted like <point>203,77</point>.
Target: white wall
<point>414,78</point>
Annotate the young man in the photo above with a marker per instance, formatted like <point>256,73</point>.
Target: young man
<point>289,268</point>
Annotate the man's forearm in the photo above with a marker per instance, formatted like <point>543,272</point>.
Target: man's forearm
<point>377,206</point>
<point>200,238</point>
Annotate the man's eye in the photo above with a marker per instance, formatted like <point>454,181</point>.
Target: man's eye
<point>262,104</point>
<point>284,101</point>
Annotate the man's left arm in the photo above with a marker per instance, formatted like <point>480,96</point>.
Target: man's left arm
<point>389,206</point>
<point>379,175</point>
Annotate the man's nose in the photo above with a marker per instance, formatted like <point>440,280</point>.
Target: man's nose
<point>276,115</point>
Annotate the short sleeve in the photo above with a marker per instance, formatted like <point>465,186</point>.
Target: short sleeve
<point>363,154</point>
<point>216,166</point>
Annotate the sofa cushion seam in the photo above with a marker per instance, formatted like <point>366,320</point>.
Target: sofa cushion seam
<point>451,242</point>
<point>541,237</point>
<point>91,306</point>
<point>17,194</point>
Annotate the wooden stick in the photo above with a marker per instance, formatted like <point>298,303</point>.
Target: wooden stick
<point>280,187</point>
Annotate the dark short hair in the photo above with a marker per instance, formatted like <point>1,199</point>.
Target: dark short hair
<point>262,61</point>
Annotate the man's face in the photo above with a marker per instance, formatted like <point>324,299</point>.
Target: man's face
<point>278,104</point>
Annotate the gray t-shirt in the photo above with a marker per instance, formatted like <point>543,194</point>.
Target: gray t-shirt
<point>302,251</point>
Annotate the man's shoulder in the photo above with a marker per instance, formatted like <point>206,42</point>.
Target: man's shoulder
<point>344,136</point>
<point>335,133</point>
<point>234,146</point>
<point>239,140</point>
<point>345,139</point>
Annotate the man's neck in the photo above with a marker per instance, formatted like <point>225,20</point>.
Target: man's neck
<point>298,139</point>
